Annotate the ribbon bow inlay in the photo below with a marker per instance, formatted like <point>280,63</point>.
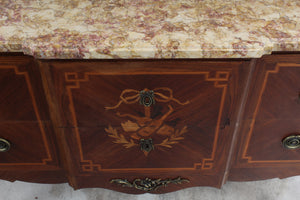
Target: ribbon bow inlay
<point>131,96</point>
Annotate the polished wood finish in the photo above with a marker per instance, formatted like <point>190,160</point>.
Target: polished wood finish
<point>25,122</point>
<point>272,113</point>
<point>196,98</point>
<point>82,121</point>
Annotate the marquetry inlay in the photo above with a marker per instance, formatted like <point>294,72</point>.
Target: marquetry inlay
<point>219,79</point>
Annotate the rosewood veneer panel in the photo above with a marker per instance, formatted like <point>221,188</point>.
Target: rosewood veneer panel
<point>191,122</point>
<point>24,121</point>
<point>272,113</point>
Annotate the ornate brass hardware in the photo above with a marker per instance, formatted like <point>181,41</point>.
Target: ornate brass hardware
<point>147,98</point>
<point>4,145</point>
<point>291,142</point>
<point>148,184</point>
<point>146,145</point>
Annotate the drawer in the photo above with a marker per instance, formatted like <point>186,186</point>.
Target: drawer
<point>24,117</point>
<point>26,145</point>
<point>272,114</point>
<point>141,119</point>
<point>21,91</point>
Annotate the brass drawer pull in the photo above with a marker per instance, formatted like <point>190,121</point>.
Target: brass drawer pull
<point>291,142</point>
<point>4,145</point>
<point>148,184</point>
<point>147,98</point>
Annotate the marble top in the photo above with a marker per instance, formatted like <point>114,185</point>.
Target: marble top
<point>109,29</point>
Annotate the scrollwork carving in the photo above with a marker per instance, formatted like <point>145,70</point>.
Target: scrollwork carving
<point>148,184</point>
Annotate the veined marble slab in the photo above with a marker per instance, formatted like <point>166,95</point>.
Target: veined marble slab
<point>110,29</point>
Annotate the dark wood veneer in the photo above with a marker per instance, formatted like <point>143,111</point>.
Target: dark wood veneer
<point>25,122</point>
<point>83,90</point>
<point>272,113</point>
<point>81,121</point>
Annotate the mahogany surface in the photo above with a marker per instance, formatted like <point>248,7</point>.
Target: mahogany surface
<point>25,123</point>
<point>203,107</point>
<point>272,113</point>
<point>81,121</point>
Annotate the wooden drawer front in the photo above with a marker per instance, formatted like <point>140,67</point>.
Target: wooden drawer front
<point>265,145</point>
<point>105,121</point>
<point>28,145</point>
<point>279,93</point>
<point>277,115</point>
<point>21,97</point>
<point>272,113</point>
<point>24,120</point>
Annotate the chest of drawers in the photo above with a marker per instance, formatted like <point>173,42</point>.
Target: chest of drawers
<point>144,124</point>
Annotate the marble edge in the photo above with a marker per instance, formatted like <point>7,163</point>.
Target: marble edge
<point>139,29</point>
<point>142,53</point>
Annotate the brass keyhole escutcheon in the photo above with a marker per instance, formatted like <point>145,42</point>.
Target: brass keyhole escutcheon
<point>4,145</point>
<point>291,142</point>
<point>146,145</point>
<point>147,98</point>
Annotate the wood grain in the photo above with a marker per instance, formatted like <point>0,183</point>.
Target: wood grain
<point>84,89</point>
<point>81,121</point>
<point>272,113</point>
<point>25,122</point>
